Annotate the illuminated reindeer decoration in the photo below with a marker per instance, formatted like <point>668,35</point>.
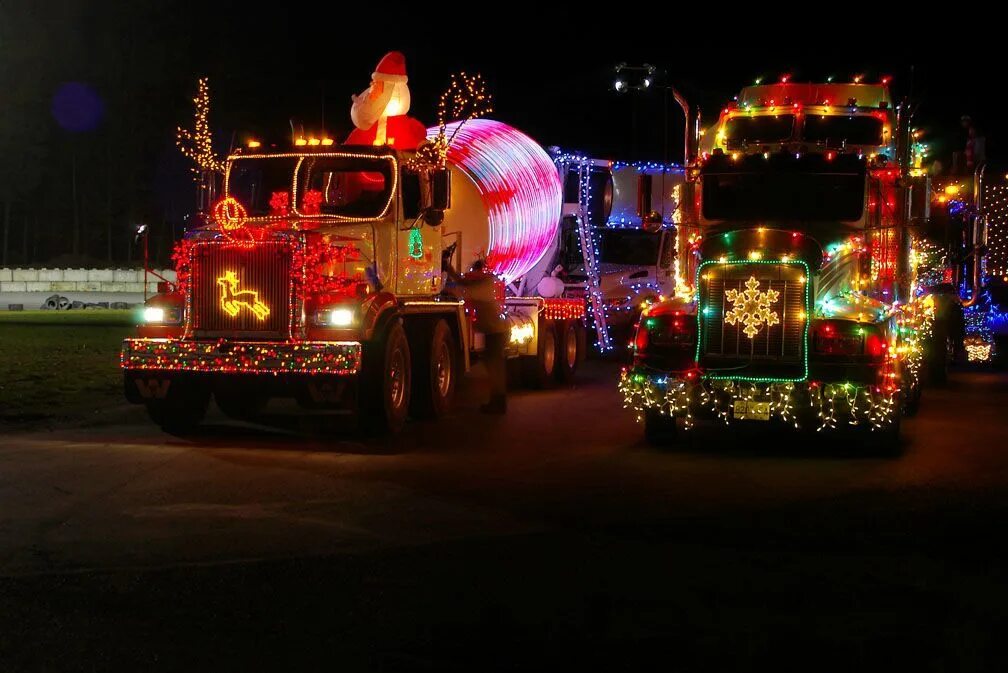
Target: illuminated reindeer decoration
<point>233,299</point>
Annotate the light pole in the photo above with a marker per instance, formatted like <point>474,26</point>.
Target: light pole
<point>633,78</point>
<point>142,233</point>
<point>644,77</point>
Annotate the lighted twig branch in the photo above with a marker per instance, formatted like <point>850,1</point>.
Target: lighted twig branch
<point>465,99</point>
<point>197,144</point>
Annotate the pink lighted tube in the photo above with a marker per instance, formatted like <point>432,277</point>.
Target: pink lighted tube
<point>519,186</point>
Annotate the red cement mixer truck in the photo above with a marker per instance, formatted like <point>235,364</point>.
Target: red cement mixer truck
<point>317,275</point>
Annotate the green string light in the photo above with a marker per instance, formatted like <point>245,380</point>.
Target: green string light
<point>704,311</point>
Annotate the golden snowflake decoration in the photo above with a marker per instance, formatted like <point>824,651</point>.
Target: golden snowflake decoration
<point>751,307</point>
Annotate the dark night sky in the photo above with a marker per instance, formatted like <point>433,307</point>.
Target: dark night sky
<point>550,72</point>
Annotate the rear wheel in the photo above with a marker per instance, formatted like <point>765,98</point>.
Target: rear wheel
<point>385,382</point>
<point>659,429</point>
<point>540,370</point>
<point>939,353</point>
<point>570,350</point>
<point>183,407</point>
<point>435,368</point>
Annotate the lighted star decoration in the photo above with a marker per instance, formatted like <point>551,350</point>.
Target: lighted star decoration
<point>751,308</point>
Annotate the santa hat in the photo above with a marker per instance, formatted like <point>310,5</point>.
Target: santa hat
<point>392,68</point>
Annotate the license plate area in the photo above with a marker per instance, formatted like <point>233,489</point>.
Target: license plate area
<point>751,410</point>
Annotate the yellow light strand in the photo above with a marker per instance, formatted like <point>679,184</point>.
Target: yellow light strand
<point>197,144</point>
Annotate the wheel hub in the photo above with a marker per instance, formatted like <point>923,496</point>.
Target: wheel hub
<point>443,370</point>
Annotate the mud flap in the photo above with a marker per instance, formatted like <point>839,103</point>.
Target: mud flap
<point>144,387</point>
<point>324,393</point>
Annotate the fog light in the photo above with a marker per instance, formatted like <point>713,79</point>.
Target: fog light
<point>153,314</point>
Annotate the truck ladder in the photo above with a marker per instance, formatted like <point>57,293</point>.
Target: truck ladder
<point>588,252</point>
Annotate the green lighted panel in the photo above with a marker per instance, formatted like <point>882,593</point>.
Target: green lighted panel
<point>808,316</point>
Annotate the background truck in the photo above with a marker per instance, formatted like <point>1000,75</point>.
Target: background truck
<point>318,276</point>
<point>638,243</point>
<point>964,264</point>
<point>802,309</point>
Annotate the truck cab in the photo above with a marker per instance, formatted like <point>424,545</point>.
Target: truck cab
<point>638,240</point>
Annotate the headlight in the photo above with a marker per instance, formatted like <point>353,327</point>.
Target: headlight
<point>336,317</point>
<point>160,315</point>
<point>341,317</point>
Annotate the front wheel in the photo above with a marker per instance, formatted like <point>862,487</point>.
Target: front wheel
<point>660,429</point>
<point>886,441</point>
<point>385,382</point>
<point>912,400</point>
<point>182,409</point>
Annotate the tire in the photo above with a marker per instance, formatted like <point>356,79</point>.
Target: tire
<point>938,354</point>
<point>240,406</point>
<point>385,383</point>
<point>911,403</point>
<point>540,369</point>
<point>1000,359</point>
<point>182,409</point>
<point>570,350</point>
<point>435,368</point>
<point>660,430</point>
<point>886,442</point>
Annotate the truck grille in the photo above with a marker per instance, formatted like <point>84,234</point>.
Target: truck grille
<point>241,291</point>
<point>753,319</point>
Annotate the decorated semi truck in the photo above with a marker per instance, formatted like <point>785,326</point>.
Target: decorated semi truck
<point>318,275</point>
<point>964,265</point>
<point>801,307</point>
<point>317,272</point>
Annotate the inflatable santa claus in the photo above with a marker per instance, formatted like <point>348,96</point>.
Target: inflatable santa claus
<point>379,112</point>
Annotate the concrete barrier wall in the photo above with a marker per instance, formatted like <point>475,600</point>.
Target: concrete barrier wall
<point>79,280</point>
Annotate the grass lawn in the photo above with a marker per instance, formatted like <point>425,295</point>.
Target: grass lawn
<point>57,365</point>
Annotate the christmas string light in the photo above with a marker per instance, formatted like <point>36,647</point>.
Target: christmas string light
<point>587,240</point>
<point>465,99</point>
<point>859,403</point>
<point>520,189</point>
<point>306,357</point>
<point>562,308</point>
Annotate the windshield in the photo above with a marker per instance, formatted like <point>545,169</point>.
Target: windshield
<point>345,186</point>
<point>262,184</point>
<point>836,131</point>
<point>762,129</point>
<point>629,246</point>
<point>783,196</point>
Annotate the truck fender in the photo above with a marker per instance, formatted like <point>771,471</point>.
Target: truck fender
<point>378,310</point>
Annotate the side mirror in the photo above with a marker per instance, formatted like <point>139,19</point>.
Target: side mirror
<point>441,189</point>
<point>433,217</point>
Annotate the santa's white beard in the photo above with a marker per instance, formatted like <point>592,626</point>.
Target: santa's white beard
<point>374,102</point>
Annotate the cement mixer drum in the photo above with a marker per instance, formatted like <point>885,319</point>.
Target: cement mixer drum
<point>506,197</point>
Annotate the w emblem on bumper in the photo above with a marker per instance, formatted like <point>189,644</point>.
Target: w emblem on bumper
<point>155,389</point>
